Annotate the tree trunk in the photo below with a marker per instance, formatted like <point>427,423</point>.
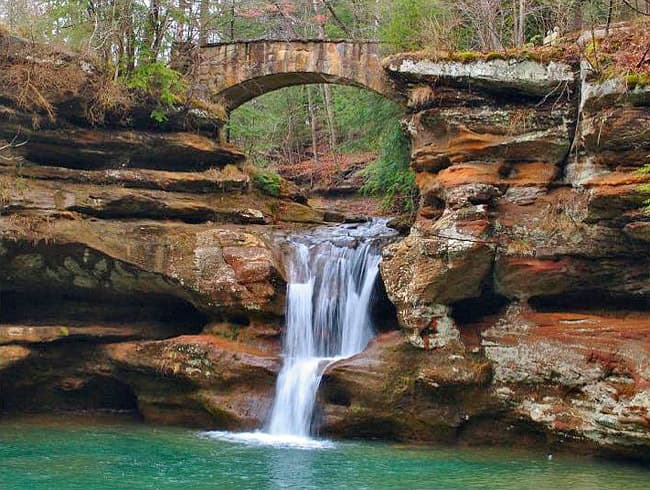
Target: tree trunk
<point>610,11</point>
<point>331,128</point>
<point>314,133</point>
<point>204,21</point>
<point>577,15</point>
<point>327,92</point>
<point>232,20</point>
<point>181,24</point>
<point>521,24</point>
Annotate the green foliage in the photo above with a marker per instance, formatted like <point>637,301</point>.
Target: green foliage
<point>271,124</point>
<point>274,125</point>
<point>432,25</point>
<point>161,84</point>
<point>408,22</point>
<point>362,117</point>
<point>391,176</point>
<point>267,182</point>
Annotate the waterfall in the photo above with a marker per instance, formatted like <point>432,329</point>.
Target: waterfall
<point>332,272</point>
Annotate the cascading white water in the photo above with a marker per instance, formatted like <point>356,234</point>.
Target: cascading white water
<point>332,273</point>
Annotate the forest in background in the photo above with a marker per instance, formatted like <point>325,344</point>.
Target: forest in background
<point>134,41</point>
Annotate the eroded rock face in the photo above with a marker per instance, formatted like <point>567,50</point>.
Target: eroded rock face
<point>580,375</point>
<point>474,152</point>
<point>138,264</point>
<point>525,77</point>
<point>434,267</point>
<point>217,270</point>
<point>198,380</point>
<point>522,290</point>
<point>397,391</point>
<point>93,148</point>
<point>12,354</point>
<point>562,380</point>
<point>529,251</point>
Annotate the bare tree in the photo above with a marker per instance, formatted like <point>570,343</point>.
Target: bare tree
<point>486,18</point>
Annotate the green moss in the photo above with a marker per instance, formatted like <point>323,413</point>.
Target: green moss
<point>466,56</point>
<point>645,169</point>
<point>634,80</point>
<point>527,55</point>
<point>267,182</point>
<point>231,332</point>
<point>645,188</point>
<point>494,55</point>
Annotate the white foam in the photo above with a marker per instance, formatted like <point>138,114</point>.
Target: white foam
<point>265,439</point>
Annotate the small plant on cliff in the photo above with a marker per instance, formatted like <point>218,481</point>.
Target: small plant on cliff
<point>644,189</point>
<point>164,86</point>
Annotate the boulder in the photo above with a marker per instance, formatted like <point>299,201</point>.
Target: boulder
<point>397,391</point>
<point>198,380</point>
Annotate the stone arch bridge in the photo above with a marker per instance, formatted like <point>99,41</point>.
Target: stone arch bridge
<point>234,73</point>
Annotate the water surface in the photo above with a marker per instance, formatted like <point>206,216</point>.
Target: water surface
<point>42,454</point>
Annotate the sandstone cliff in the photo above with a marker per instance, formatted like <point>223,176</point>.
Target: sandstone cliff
<point>137,259</point>
<point>526,272</point>
<point>139,271</point>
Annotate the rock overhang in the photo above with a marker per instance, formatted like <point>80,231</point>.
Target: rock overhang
<point>510,76</point>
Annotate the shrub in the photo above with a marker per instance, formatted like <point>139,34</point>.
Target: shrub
<point>107,96</point>
<point>166,87</point>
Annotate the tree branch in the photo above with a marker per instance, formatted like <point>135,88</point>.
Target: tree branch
<point>10,146</point>
<point>337,19</point>
<point>637,9</point>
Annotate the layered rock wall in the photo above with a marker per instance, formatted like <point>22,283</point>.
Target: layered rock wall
<point>137,262</point>
<point>139,272</point>
<point>525,274</point>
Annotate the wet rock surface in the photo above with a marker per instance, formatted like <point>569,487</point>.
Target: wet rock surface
<point>198,379</point>
<point>397,391</point>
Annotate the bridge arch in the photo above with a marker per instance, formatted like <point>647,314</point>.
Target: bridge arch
<point>234,73</point>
